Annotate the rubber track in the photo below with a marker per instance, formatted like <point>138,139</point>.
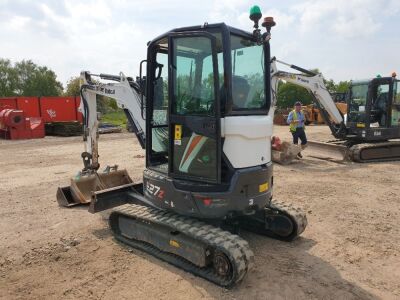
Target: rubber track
<point>236,248</point>
<point>298,216</point>
<point>355,151</point>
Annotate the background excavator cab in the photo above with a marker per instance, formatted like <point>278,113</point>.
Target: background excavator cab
<point>374,109</point>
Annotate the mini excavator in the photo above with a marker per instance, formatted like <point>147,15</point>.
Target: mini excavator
<point>370,130</point>
<point>203,113</point>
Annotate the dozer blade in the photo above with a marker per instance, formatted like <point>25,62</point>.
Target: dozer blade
<point>83,187</point>
<point>120,195</point>
<point>287,153</point>
<point>329,151</point>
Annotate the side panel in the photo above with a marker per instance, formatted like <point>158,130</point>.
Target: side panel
<point>8,103</point>
<point>58,109</point>
<point>30,106</point>
<point>247,132</point>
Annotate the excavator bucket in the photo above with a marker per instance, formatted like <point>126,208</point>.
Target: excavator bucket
<point>285,153</point>
<point>83,187</point>
<point>331,151</point>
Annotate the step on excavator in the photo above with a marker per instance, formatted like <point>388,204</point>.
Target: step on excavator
<point>204,115</point>
<point>369,132</point>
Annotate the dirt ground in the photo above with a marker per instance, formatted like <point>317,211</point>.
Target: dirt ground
<point>350,249</point>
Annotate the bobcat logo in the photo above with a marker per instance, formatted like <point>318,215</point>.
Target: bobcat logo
<point>52,113</point>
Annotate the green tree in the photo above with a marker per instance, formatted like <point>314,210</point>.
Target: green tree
<point>26,78</point>
<point>73,87</point>
<point>330,85</point>
<point>34,80</point>
<point>289,93</point>
<point>8,78</point>
<point>343,86</point>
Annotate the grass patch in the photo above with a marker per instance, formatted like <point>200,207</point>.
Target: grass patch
<point>115,118</point>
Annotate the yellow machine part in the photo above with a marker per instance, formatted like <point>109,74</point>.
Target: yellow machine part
<point>313,115</point>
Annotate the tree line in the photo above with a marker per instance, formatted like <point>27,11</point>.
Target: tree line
<point>25,78</point>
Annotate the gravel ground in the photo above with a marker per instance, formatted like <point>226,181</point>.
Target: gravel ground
<point>350,250</point>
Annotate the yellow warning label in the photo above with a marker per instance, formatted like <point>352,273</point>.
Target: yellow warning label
<point>263,187</point>
<point>178,132</point>
<point>174,244</point>
<point>360,125</point>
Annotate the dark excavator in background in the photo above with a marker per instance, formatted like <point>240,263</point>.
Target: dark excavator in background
<point>369,129</point>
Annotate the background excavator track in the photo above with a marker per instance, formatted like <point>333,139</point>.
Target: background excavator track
<point>377,152</point>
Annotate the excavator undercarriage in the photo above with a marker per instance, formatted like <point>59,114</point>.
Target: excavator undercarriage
<point>211,249</point>
<point>342,151</point>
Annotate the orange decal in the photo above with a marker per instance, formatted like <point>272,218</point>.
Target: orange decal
<point>193,145</point>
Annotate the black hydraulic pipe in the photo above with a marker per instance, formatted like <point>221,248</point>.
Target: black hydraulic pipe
<point>110,77</point>
<point>85,105</point>
<point>139,133</point>
<point>295,67</point>
<point>303,70</point>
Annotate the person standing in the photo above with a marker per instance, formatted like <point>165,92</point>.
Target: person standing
<point>296,121</point>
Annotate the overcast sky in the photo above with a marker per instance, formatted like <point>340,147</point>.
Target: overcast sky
<point>345,39</point>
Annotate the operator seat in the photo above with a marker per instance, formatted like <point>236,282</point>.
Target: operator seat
<point>158,93</point>
<point>381,106</point>
<point>240,91</point>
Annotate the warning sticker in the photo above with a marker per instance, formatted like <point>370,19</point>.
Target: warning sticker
<point>178,132</point>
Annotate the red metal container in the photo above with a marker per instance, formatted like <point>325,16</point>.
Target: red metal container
<point>8,102</point>
<point>14,125</point>
<point>58,109</point>
<point>36,126</point>
<point>12,118</point>
<point>30,106</point>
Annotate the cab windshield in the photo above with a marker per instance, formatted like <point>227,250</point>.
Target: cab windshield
<point>358,101</point>
<point>247,75</point>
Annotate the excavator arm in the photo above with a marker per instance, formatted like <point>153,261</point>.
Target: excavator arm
<point>91,185</point>
<point>127,94</point>
<point>315,85</point>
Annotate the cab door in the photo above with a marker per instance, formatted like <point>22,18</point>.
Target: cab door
<point>194,108</point>
<point>395,113</point>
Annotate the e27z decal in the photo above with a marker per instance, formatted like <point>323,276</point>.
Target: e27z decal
<point>154,190</point>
